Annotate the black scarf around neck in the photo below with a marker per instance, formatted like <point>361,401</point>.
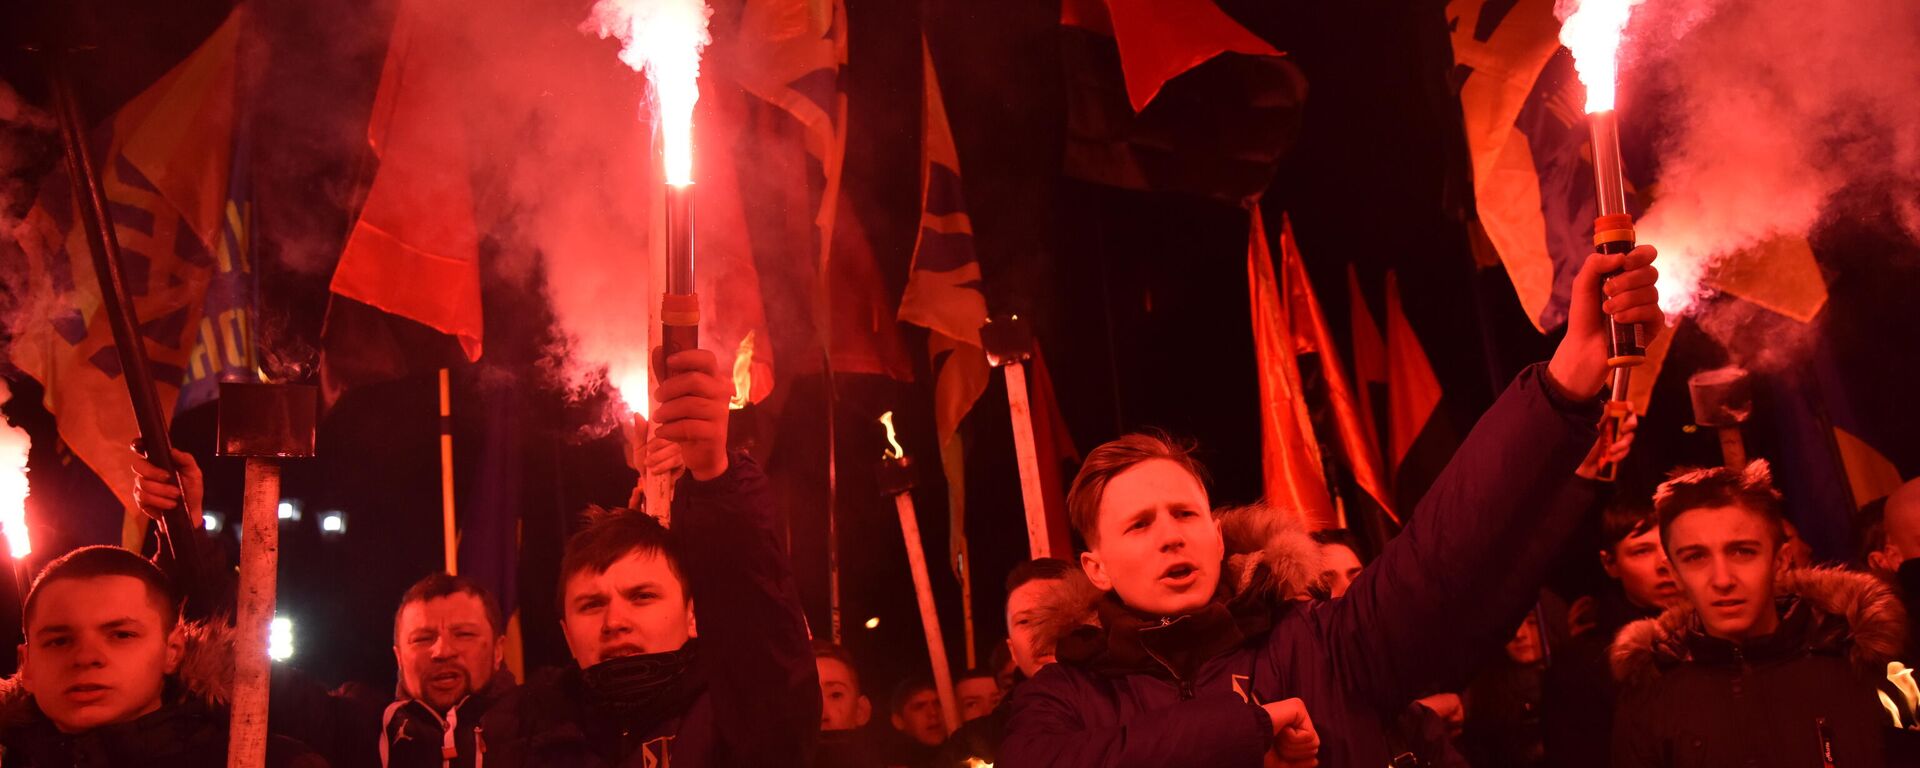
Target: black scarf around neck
<point>644,688</point>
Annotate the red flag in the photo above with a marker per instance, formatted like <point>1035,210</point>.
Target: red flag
<point>1356,435</point>
<point>1161,39</point>
<point>1295,476</point>
<point>415,250</point>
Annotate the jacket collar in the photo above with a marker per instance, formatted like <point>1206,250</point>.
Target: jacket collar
<point>1169,647</point>
<point>1827,610</point>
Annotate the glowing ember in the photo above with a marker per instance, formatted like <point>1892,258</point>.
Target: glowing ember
<point>1591,29</point>
<point>894,452</point>
<point>974,762</point>
<point>662,38</point>
<point>14,444</point>
<point>742,373</point>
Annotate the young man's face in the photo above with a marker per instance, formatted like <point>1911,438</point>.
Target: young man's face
<point>919,718</point>
<point>978,696</point>
<point>1158,545</point>
<point>447,649</point>
<point>1024,609</point>
<point>637,606</point>
<point>1641,567</point>
<point>97,652</point>
<point>842,708</point>
<point>1727,558</point>
<point>1339,566</point>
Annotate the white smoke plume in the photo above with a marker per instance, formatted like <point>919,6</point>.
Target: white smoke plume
<point>1772,108</point>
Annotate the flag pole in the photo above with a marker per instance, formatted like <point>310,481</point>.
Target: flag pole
<point>96,219</point>
<point>449,533</point>
<point>1009,344</point>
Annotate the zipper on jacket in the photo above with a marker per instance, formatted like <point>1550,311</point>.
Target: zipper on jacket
<point>1185,686</point>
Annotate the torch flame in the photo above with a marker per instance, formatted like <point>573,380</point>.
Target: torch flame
<point>14,444</point>
<point>742,374</point>
<point>894,452</point>
<point>663,38</point>
<point>1591,29</point>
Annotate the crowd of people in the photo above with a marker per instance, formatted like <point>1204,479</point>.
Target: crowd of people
<point>1180,635</point>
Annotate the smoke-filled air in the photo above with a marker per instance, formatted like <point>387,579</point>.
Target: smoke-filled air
<point>1771,109</point>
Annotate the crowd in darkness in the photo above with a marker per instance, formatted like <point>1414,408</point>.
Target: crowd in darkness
<point>1180,634</point>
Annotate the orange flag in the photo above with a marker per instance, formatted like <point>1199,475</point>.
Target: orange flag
<point>1161,39</point>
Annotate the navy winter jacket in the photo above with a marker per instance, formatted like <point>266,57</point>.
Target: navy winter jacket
<point>1443,596</point>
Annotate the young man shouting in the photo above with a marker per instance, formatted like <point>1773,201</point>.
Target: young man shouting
<point>1185,672</point>
<point>1761,665</point>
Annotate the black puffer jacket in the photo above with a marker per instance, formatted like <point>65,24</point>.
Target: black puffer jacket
<point>1801,696</point>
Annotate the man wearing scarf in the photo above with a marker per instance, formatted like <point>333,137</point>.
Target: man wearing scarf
<point>650,686</point>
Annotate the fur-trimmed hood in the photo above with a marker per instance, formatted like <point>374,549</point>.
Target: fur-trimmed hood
<point>205,674</point>
<point>1849,613</point>
<point>1269,557</point>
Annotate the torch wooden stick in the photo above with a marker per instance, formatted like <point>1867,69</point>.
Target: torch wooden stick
<point>253,613</point>
<point>1009,344</point>
<point>896,477</point>
<point>264,423</point>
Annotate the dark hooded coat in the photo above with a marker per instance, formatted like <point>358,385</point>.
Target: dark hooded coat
<point>188,731</point>
<point>1444,596</point>
<point>1803,696</point>
<point>752,695</point>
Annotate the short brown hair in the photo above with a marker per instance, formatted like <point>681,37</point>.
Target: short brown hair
<point>1751,488</point>
<point>1040,569</point>
<point>610,535</point>
<point>1117,456</point>
<point>443,584</point>
<point>101,560</point>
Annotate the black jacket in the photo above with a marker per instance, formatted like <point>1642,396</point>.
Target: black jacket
<point>758,698</point>
<point>1579,692</point>
<point>415,736</point>
<point>1787,699</point>
<point>188,731</point>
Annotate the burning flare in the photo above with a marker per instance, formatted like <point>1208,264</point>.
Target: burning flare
<point>663,38</point>
<point>1591,29</point>
<point>742,374</point>
<point>14,444</point>
<point>895,452</point>
<point>632,387</point>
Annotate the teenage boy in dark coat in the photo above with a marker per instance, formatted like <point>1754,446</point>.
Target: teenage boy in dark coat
<point>1182,675</point>
<point>1763,665</point>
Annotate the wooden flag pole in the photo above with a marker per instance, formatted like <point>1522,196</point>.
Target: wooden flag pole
<point>449,531</point>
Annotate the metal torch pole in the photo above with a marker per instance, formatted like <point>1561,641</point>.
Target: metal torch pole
<point>679,321</point>
<point>1613,234</point>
